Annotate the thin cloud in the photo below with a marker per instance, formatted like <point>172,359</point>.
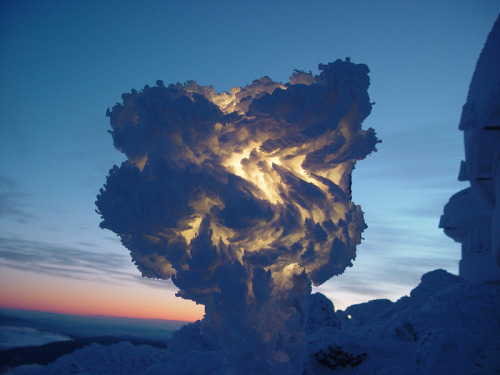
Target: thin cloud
<point>70,262</point>
<point>12,202</point>
<point>376,279</point>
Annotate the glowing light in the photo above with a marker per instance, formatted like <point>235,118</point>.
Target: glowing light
<point>189,234</point>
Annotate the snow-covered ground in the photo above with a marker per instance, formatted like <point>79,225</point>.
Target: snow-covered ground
<point>447,325</point>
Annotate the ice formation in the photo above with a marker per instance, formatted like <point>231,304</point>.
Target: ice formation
<point>472,216</point>
<point>243,199</point>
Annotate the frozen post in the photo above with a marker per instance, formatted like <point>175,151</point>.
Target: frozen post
<point>472,216</point>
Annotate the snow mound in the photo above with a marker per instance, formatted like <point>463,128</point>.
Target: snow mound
<point>448,325</point>
<point>96,359</point>
<point>321,313</point>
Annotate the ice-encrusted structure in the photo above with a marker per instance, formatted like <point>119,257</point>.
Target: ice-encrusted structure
<point>472,216</point>
<point>244,200</point>
<point>447,325</point>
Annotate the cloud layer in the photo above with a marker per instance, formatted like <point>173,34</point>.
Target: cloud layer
<point>11,202</point>
<point>69,262</point>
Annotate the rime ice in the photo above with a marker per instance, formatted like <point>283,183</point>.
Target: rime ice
<point>472,216</point>
<point>243,199</point>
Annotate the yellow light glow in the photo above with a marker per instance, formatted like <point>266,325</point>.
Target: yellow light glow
<point>140,161</point>
<point>189,234</point>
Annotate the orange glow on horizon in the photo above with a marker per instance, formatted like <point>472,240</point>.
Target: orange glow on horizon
<point>84,297</point>
<point>118,314</point>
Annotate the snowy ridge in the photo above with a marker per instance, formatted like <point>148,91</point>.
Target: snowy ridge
<point>447,325</point>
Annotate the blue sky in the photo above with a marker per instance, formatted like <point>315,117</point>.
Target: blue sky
<point>63,63</point>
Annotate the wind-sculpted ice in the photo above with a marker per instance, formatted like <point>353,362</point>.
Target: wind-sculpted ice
<point>243,199</point>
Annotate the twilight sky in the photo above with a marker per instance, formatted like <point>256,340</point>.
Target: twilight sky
<point>63,64</point>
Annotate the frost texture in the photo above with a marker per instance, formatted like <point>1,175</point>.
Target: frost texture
<point>243,199</point>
